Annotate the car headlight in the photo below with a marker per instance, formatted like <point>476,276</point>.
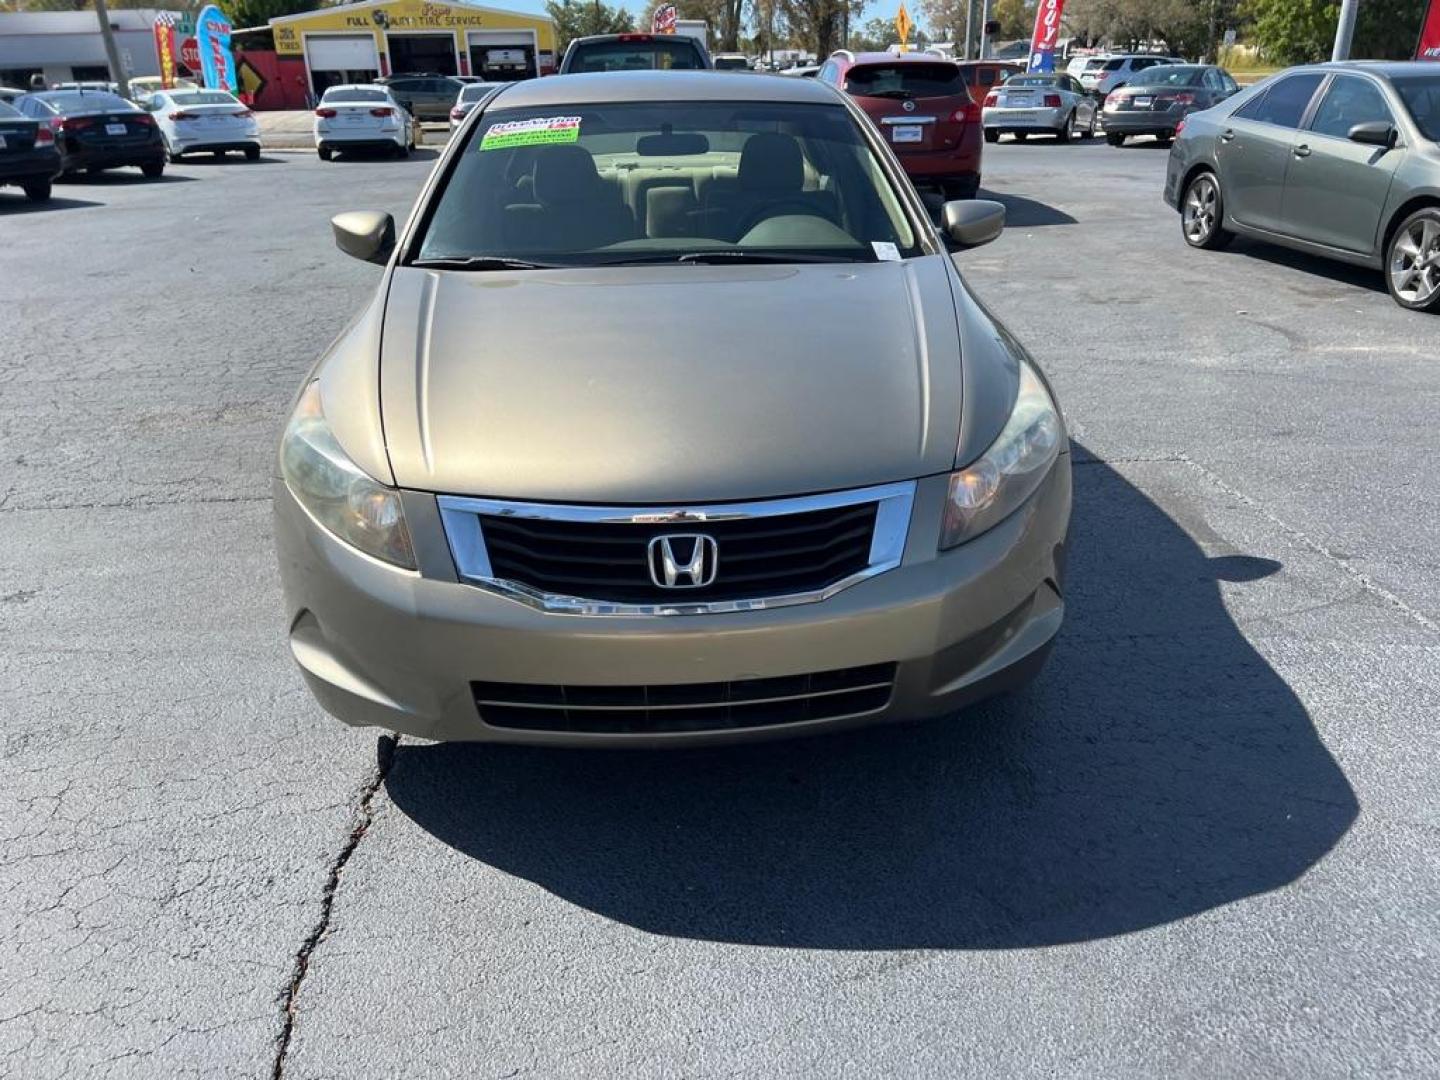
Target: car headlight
<point>993,487</point>
<point>357,509</point>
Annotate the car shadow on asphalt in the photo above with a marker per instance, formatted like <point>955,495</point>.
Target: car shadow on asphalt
<point>1159,768</point>
<point>19,204</point>
<point>1362,277</point>
<point>1026,213</point>
<point>121,178</point>
<point>420,153</point>
<point>236,160</point>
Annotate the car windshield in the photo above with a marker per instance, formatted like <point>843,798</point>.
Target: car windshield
<point>204,97</point>
<point>353,93</point>
<point>905,79</point>
<point>731,63</point>
<point>1421,94</point>
<point>1033,80</point>
<point>629,183</point>
<point>1170,75</point>
<point>88,101</point>
<point>640,55</point>
<point>476,91</point>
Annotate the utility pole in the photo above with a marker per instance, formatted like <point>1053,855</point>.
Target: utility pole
<point>984,31</point>
<point>969,26</point>
<point>112,54</point>
<point>1345,31</point>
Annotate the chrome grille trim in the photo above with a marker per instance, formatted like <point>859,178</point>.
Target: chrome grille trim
<point>460,516</point>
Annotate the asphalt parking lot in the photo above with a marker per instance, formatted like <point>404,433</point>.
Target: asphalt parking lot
<point>1203,844</point>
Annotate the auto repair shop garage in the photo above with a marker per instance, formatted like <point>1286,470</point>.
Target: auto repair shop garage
<point>360,42</point>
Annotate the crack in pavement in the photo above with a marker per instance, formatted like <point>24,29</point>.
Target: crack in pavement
<point>289,997</point>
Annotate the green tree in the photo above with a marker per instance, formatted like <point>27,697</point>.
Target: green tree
<point>818,24</point>
<point>258,12</point>
<point>575,19</point>
<point>1303,31</point>
<point>1016,19</point>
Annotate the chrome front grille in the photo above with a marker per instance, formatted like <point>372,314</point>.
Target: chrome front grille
<point>599,560</point>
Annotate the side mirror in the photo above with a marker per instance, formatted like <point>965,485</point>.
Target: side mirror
<point>367,235</point>
<point>1375,133</point>
<point>972,222</point>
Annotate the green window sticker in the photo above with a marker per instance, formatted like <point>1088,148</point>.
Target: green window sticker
<point>536,132</point>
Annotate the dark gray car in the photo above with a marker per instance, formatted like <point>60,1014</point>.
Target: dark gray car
<point>1339,160</point>
<point>1162,97</point>
<point>425,97</point>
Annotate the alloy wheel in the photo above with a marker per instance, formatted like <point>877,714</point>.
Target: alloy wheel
<point>1415,261</point>
<point>1200,206</point>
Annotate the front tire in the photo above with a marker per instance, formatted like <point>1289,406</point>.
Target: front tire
<point>1114,138</point>
<point>1412,262</point>
<point>252,153</point>
<point>36,190</point>
<point>1089,132</point>
<point>1062,134</point>
<point>992,135</point>
<point>153,170</point>
<point>1021,136</point>
<point>325,153</point>
<point>1202,214</point>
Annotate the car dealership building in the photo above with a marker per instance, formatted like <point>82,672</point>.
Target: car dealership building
<point>360,42</point>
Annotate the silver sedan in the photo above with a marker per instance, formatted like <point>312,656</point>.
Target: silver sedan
<point>1049,104</point>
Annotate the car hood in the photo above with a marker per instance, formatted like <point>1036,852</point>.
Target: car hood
<point>670,383</point>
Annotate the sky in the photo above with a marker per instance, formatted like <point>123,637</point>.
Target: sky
<point>883,8</point>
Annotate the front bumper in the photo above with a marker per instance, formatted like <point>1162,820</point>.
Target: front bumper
<point>1023,119</point>
<point>399,650</point>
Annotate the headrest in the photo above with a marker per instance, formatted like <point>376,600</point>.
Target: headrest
<point>772,161</point>
<point>564,174</point>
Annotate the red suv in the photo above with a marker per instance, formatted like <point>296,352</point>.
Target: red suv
<point>921,105</point>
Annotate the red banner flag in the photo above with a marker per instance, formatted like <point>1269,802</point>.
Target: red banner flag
<point>1429,46</point>
<point>1047,33</point>
<point>165,48</point>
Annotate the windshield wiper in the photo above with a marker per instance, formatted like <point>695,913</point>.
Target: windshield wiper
<point>487,262</point>
<point>723,256</point>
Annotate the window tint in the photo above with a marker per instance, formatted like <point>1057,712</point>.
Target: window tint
<point>1231,86</point>
<point>801,179</point>
<point>1175,76</point>
<point>1212,80</point>
<point>1284,103</point>
<point>1421,94</point>
<point>1349,101</point>
<point>1113,65</point>
<point>636,56</point>
<point>1033,80</point>
<point>205,97</point>
<point>904,80</point>
<point>476,91</point>
<point>89,101</point>
<point>353,93</point>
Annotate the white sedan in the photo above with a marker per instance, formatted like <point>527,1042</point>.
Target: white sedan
<point>1048,104</point>
<point>363,116</point>
<point>204,121</point>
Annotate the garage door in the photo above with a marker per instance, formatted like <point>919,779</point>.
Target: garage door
<point>342,52</point>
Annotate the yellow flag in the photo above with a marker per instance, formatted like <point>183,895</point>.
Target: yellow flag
<point>903,24</point>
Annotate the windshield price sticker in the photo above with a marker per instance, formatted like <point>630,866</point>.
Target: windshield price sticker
<point>536,132</point>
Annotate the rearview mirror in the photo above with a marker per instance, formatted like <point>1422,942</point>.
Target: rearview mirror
<point>367,235</point>
<point>972,222</point>
<point>1375,133</point>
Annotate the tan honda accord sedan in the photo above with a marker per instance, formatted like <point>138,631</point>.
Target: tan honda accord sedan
<point>671,421</point>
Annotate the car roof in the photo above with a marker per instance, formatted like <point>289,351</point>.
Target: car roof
<point>902,58</point>
<point>1385,68</point>
<point>358,86</point>
<point>633,35</point>
<point>606,87</point>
